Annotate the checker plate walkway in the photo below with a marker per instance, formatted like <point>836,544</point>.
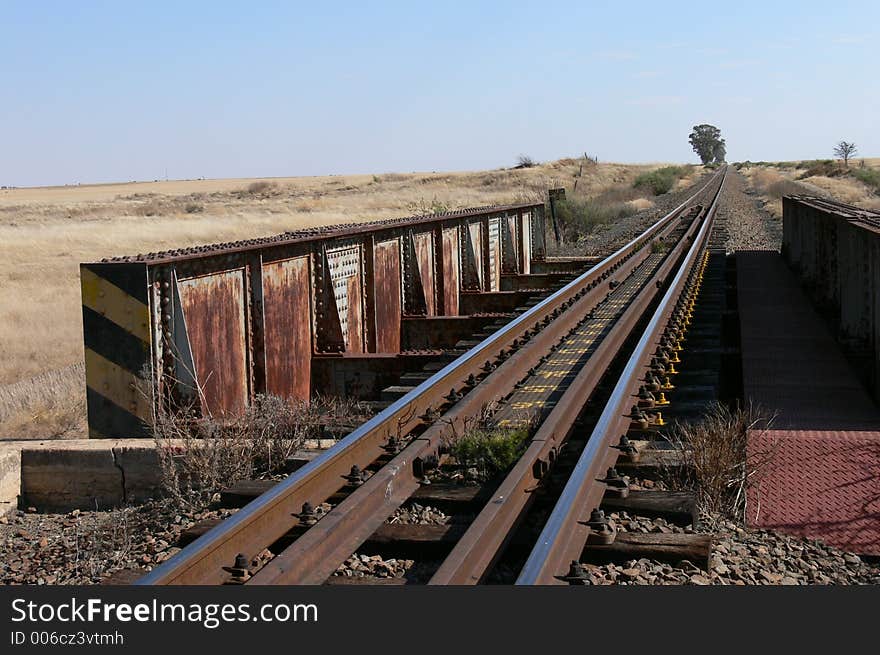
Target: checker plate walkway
<point>822,476</point>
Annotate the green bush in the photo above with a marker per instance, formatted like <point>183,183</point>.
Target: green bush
<point>490,451</point>
<point>870,176</point>
<point>661,180</point>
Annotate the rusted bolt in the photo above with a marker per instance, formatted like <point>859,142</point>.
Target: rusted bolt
<point>240,570</point>
<point>604,530</point>
<point>393,445</point>
<point>355,476</point>
<point>646,398</point>
<point>626,447</point>
<point>618,485</point>
<point>308,515</point>
<point>576,576</point>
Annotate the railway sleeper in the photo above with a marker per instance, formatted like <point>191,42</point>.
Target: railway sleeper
<point>676,507</point>
<point>668,548</point>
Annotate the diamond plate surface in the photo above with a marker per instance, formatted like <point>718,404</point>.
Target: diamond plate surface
<point>819,484</point>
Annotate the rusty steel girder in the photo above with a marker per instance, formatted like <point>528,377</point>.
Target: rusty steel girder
<point>213,326</point>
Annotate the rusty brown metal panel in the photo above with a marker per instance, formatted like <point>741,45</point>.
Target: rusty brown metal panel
<point>494,263</point>
<point>424,246</point>
<point>387,290</point>
<point>214,307</point>
<point>413,292</point>
<point>509,245</point>
<point>346,266</point>
<point>287,288</point>
<point>451,271</point>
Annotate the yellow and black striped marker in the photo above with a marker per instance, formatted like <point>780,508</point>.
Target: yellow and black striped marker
<point>117,336</point>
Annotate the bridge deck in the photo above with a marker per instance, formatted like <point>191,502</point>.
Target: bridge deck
<point>820,476</point>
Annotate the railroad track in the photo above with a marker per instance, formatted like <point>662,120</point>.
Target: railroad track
<point>583,370</point>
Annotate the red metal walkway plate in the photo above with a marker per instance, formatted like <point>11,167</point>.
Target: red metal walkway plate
<point>823,485</point>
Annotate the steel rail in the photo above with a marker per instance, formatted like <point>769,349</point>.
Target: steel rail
<point>269,517</point>
<point>483,542</point>
<point>315,555</point>
<point>565,534</point>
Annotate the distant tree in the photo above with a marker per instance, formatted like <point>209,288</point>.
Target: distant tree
<point>524,161</point>
<point>845,150</point>
<point>707,143</point>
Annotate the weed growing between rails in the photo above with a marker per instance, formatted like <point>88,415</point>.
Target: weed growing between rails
<point>485,449</point>
<point>490,451</point>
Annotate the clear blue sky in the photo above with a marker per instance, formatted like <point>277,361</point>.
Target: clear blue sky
<point>113,91</point>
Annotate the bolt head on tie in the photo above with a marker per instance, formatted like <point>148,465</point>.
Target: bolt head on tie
<point>307,516</point>
<point>603,529</point>
<point>393,445</point>
<point>453,396</point>
<point>239,571</point>
<point>355,476</point>
<point>626,447</point>
<point>576,576</point>
<point>618,485</point>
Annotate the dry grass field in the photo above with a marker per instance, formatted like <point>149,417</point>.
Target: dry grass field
<point>46,232</point>
<point>774,180</point>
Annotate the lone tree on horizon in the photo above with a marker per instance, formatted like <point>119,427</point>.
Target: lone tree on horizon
<point>845,150</point>
<point>707,143</point>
